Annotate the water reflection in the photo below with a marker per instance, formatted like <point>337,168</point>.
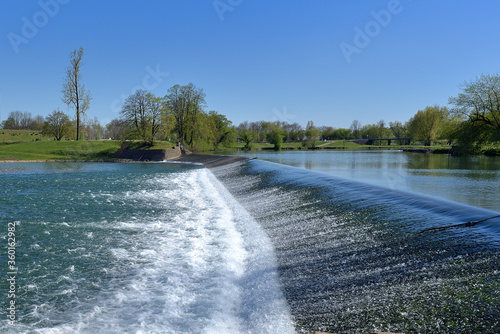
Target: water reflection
<point>470,180</point>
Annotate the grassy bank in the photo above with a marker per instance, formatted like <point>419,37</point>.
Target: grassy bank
<point>32,145</point>
<point>58,150</point>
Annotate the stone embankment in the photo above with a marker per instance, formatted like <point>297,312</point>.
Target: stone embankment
<point>147,155</point>
<point>174,154</point>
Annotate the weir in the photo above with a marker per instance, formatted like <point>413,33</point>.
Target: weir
<point>351,258</point>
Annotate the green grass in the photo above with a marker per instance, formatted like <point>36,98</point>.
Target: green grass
<point>23,145</point>
<point>58,150</point>
<point>14,136</point>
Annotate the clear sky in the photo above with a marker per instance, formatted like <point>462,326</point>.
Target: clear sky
<point>330,61</point>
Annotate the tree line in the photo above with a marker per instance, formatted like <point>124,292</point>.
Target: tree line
<point>472,122</point>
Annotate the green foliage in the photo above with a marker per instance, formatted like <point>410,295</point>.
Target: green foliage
<point>224,134</point>
<point>426,124</point>
<point>57,125</point>
<point>313,135</point>
<point>185,104</point>
<point>275,137</point>
<point>478,107</point>
<point>248,137</point>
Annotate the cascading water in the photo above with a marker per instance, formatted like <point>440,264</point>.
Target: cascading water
<point>351,258</point>
<point>134,248</point>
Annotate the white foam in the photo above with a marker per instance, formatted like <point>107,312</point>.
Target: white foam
<point>195,263</point>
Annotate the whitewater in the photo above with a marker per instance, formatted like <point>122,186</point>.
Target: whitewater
<point>136,248</point>
<point>247,247</point>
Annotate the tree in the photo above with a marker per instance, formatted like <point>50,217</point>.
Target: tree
<point>369,131</point>
<point>275,137</point>
<point>116,129</point>
<point>18,120</point>
<point>398,129</point>
<point>93,129</point>
<point>341,134</point>
<point>356,129</point>
<point>478,106</point>
<point>185,104</point>
<point>57,124</point>
<point>143,112</point>
<point>295,132</point>
<point>155,108</point>
<point>313,134</point>
<point>225,133</point>
<point>74,93</point>
<point>248,137</point>
<point>327,132</point>
<point>14,120</point>
<point>426,124</point>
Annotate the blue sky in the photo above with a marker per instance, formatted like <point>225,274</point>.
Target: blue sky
<point>329,61</point>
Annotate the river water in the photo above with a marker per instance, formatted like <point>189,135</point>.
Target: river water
<point>133,248</point>
<point>473,180</point>
<point>251,247</point>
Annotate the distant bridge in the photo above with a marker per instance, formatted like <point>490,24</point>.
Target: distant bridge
<point>370,141</point>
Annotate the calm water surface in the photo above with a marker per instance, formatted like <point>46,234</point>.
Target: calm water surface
<point>470,180</point>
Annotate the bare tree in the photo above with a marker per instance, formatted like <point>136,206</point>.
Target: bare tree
<point>93,129</point>
<point>74,93</point>
<point>143,112</point>
<point>116,129</point>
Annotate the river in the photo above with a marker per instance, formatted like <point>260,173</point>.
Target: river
<point>251,247</point>
<point>471,180</point>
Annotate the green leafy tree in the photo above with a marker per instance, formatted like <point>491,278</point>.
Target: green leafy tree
<point>313,135</point>
<point>74,93</point>
<point>369,131</point>
<point>248,137</point>
<point>225,133</point>
<point>275,137</point>
<point>57,124</point>
<point>426,124</point>
<point>478,106</point>
<point>340,133</point>
<point>185,104</point>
